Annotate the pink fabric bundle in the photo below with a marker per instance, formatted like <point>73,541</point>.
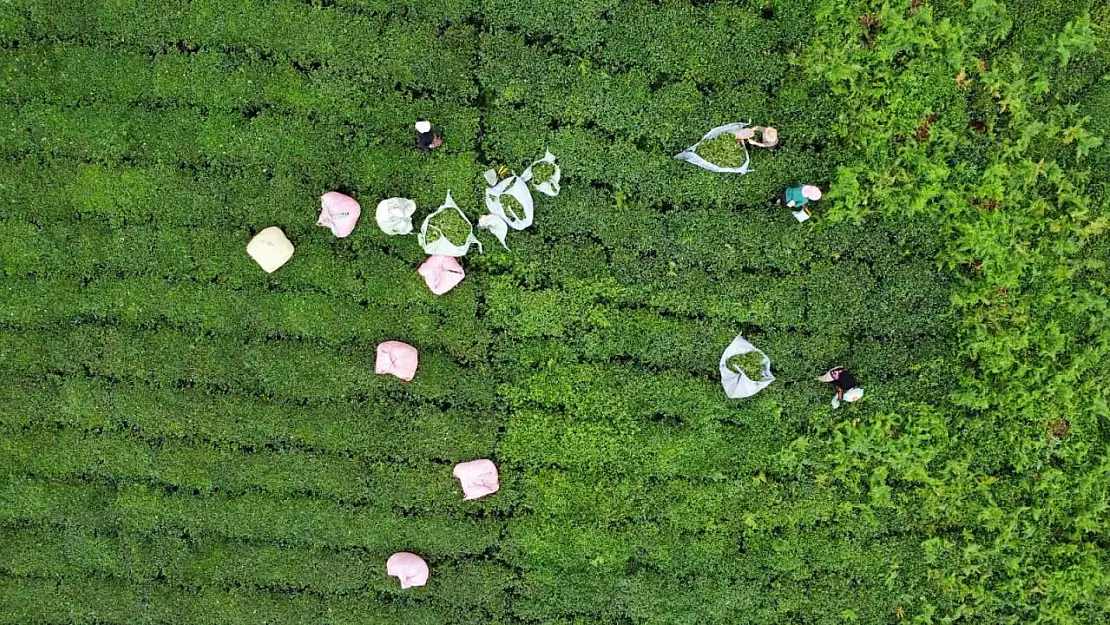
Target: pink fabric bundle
<point>410,568</point>
<point>442,273</point>
<point>478,478</point>
<point>339,212</point>
<point>398,359</point>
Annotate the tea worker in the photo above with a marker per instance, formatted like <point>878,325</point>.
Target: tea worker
<point>768,136</point>
<point>425,138</point>
<point>798,197</point>
<point>847,386</point>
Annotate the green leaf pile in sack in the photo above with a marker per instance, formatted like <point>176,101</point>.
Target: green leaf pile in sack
<point>544,175</point>
<point>511,200</point>
<point>713,145</point>
<point>735,369</point>
<point>447,231</point>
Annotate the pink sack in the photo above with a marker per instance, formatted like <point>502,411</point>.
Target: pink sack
<point>396,358</point>
<point>410,568</point>
<point>478,478</point>
<point>441,273</point>
<point>340,213</point>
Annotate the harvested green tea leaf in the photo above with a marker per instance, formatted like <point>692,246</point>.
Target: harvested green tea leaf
<point>451,224</point>
<point>750,364</point>
<point>723,150</point>
<point>542,172</point>
<point>512,207</point>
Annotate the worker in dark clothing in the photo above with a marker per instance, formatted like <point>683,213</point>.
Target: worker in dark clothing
<point>425,138</point>
<point>847,386</point>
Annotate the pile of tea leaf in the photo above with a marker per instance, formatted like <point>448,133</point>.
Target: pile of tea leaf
<point>723,150</point>
<point>512,207</point>
<point>542,172</point>
<point>449,223</point>
<point>750,364</point>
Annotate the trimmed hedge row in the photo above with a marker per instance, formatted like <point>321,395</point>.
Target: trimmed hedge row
<point>113,133</point>
<point>314,318</point>
<point>283,370</point>
<point>188,440</point>
<point>375,431</point>
<point>95,600</point>
<point>199,564</point>
<point>138,509</point>
<point>289,29</point>
<point>181,467</point>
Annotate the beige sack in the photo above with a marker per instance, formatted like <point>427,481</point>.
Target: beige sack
<point>270,249</point>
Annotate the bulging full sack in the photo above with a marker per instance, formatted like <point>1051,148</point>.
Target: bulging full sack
<point>478,478</point>
<point>394,215</point>
<point>441,273</point>
<point>551,185</point>
<point>691,156</point>
<point>397,359</point>
<point>270,249</point>
<point>735,383</point>
<point>339,213</point>
<point>410,569</point>
<point>518,218</point>
<point>433,241</point>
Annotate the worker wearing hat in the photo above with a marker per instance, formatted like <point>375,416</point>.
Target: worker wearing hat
<point>847,386</point>
<point>797,197</point>
<point>768,136</point>
<point>425,138</point>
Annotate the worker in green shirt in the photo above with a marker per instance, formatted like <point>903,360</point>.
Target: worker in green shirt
<point>797,197</point>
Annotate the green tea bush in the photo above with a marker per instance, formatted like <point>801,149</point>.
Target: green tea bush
<point>186,439</point>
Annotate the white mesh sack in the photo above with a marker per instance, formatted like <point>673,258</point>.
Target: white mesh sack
<point>735,383</point>
<point>516,187</point>
<point>431,237</point>
<point>549,186</point>
<point>690,156</point>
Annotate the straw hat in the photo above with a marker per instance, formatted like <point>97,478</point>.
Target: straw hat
<point>423,126</point>
<point>811,192</point>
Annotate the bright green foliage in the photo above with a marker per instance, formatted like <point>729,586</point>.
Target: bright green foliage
<point>750,364</point>
<point>723,150</point>
<point>185,439</point>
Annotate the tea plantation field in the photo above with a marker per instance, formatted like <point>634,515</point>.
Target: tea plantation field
<point>185,439</point>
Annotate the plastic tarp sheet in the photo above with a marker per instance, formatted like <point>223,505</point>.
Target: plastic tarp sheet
<point>495,226</point>
<point>441,245</point>
<point>690,156</point>
<point>517,187</point>
<point>735,383</point>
